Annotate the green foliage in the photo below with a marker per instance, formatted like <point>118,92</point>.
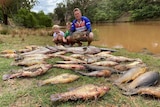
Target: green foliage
<point>32,20</point>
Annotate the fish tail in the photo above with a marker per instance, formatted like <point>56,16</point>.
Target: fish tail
<point>40,83</point>
<point>82,73</point>
<point>56,97</point>
<point>6,77</point>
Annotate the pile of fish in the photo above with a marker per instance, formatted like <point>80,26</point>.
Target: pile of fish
<point>134,76</point>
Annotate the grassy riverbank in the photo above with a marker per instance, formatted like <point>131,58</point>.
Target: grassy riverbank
<point>24,92</point>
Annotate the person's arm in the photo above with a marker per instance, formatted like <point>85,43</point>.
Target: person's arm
<point>88,25</point>
<point>73,28</point>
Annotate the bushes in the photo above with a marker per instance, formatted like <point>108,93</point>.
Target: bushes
<point>32,20</point>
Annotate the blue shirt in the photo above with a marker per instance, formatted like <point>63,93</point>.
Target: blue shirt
<point>83,25</point>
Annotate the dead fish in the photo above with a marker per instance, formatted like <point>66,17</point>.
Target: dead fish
<point>41,50</point>
<point>104,54</point>
<point>62,78</point>
<point>69,62</point>
<point>90,60</point>
<point>78,56</point>
<point>119,59</point>
<point>124,67</point>
<point>92,50</point>
<point>146,79</point>
<point>101,73</point>
<point>28,62</point>
<point>43,68</point>
<point>130,75</point>
<point>105,63</point>
<point>84,92</point>
<point>108,49</point>
<point>153,91</point>
<point>8,52</point>
<point>90,67</point>
<point>68,58</point>
<point>70,66</point>
<point>11,55</point>
<point>24,50</point>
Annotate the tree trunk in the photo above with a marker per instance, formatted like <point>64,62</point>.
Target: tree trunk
<point>5,19</point>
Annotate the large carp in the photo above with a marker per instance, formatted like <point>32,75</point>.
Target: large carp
<point>84,92</point>
<point>29,72</point>
<point>42,50</point>
<point>146,79</point>
<point>119,59</point>
<point>105,63</point>
<point>29,62</point>
<point>153,91</point>
<point>8,51</point>
<point>60,79</point>
<point>68,58</point>
<point>90,67</point>
<point>130,75</point>
<point>11,55</point>
<point>101,73</point>
<point>70,66</point>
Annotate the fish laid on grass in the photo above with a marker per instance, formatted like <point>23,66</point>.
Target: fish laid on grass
<point>130,75</point>
<point>29,62</point>
<point>90,67</point>
<point>101,73</point>
<point>70,66</point>
<point>120,59</point>
<point>30,72</point>
<point>11,55</point>
<point>68,58</point>
<point>105,63</point>
<point>84,92</point>
<point>146,79</point>
<point>8,52</point>
<point>152,91</point>
<point>69,62</point>
<point>59,79</point>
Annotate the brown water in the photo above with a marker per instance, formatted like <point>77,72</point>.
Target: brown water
<point>132,36</point>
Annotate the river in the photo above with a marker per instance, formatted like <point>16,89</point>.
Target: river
<point>133,36</point>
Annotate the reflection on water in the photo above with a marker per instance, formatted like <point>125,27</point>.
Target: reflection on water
<point>132,36</point>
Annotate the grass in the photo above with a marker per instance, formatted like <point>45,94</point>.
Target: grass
<point>24,92</point>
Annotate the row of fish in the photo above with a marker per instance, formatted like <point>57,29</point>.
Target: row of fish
<point>88,61</point>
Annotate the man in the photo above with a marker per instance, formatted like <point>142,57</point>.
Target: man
<point>81,24</point>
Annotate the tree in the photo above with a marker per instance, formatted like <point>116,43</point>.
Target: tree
<point>12,6</point>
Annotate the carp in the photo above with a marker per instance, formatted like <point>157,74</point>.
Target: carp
<point>8,52</point>
<point>100,73</point>
<point>29,62</point>
<point>42,50</point>
<point>90,67</point>
<point>120,59</point>
<point>70,62</point>
<point>70,66</point>
<point>60,79</point>
<point>146,79</point>
<point>131,75</point>
<point>90,60</point>
<point>153,91</point>
<point>68,58</point>
<point>11,55</point>
<point>105,63</point>
<point>104,54</point>
<point>85,92</point>
<point>30,72</point>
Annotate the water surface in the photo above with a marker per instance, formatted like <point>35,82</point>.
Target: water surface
<point>132,36</point>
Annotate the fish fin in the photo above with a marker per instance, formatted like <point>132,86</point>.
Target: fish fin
<point>131,92</point>
<point>6,77</point>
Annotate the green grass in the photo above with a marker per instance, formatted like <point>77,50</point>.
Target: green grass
<point>24,92</point>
